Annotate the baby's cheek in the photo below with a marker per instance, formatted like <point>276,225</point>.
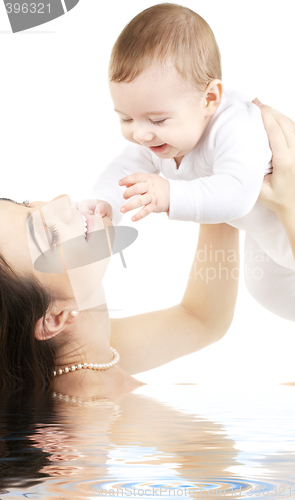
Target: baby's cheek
<point>177,136</point>
<point>127,134</point>
<point>129,137</point>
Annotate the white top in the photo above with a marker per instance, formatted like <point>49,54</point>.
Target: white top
<point>218,181</point>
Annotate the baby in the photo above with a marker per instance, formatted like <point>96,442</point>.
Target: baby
<point>209,145</point>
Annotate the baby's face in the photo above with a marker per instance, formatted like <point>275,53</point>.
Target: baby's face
<point>160,111</point>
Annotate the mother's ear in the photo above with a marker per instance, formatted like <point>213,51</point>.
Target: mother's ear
<point>55,321</point>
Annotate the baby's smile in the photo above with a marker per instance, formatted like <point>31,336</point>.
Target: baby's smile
<point>159,149</point>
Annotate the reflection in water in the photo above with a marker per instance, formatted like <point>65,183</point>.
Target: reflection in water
<point>166,441</point>
<point>21,459</point>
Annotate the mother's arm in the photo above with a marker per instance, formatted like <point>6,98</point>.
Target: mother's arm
<point>278,189</point>
<point>202,317</point>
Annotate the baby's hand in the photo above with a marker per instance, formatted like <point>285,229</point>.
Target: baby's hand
<point>153,190</point>
<point>93,207</point>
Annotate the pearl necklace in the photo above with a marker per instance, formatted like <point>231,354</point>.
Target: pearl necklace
<point>90,366</point>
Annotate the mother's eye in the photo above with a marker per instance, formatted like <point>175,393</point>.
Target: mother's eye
<point>53,235</point>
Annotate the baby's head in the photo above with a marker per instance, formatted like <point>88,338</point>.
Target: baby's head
<point>165,79</point>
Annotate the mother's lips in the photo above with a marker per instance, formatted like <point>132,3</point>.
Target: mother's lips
<point>88,224</point>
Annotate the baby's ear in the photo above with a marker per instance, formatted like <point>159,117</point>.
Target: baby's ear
<point>213,95</point>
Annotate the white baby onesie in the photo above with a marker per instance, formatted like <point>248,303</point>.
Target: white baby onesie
<point>218,181</point>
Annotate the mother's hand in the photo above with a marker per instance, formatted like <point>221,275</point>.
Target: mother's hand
<point>278,189</point>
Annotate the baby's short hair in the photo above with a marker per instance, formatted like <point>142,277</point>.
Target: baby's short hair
<point>167,32</point>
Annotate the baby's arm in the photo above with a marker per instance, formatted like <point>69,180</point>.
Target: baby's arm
<point>133,159</point>
<point>240,154</point>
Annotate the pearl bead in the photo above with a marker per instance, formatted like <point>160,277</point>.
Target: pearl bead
<point>91,366</point>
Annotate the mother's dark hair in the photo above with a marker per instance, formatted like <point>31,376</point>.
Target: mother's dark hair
<point>23,459</point>
<point>25,362</point>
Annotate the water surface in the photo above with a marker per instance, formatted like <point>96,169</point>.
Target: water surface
<point>160,441</point>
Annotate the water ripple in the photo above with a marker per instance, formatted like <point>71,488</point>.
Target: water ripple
<point>214,488</point>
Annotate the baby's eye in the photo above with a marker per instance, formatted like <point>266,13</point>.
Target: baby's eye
<point>125,120</point>
<point>158,122</point>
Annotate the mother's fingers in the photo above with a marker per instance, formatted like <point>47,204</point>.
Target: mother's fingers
<point>288,127</point>
<point>273,129</point>
<point>280,128</point>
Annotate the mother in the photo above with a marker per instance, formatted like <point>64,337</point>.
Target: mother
<point>42,332</point>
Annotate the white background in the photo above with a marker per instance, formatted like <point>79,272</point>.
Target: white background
<point>58,131</point>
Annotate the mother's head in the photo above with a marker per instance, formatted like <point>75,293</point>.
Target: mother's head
<point>36,306</point>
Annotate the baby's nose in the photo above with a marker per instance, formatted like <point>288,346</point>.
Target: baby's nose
<point>142,135</point>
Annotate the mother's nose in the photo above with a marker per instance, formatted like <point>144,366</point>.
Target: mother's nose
<point>67,199</point>
<point>61,205</point>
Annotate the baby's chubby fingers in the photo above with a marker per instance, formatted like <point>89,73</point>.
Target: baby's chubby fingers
<point>87,206</point>
<point>146,210</point>
<point>135,189</point>
<point>131,179</point>
<point>138,202</point>
<point>104,209</point>
<point>95,207</point>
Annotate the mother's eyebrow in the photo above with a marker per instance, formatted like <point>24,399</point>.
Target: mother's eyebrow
<point>12,201</point>
<point>29,221</point>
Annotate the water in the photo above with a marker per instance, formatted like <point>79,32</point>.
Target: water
<point>161,441</point>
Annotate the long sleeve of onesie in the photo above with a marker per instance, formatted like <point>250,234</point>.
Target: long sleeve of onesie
<point>133,159</point>
<point>229,162</point>
<point>218,181</point>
